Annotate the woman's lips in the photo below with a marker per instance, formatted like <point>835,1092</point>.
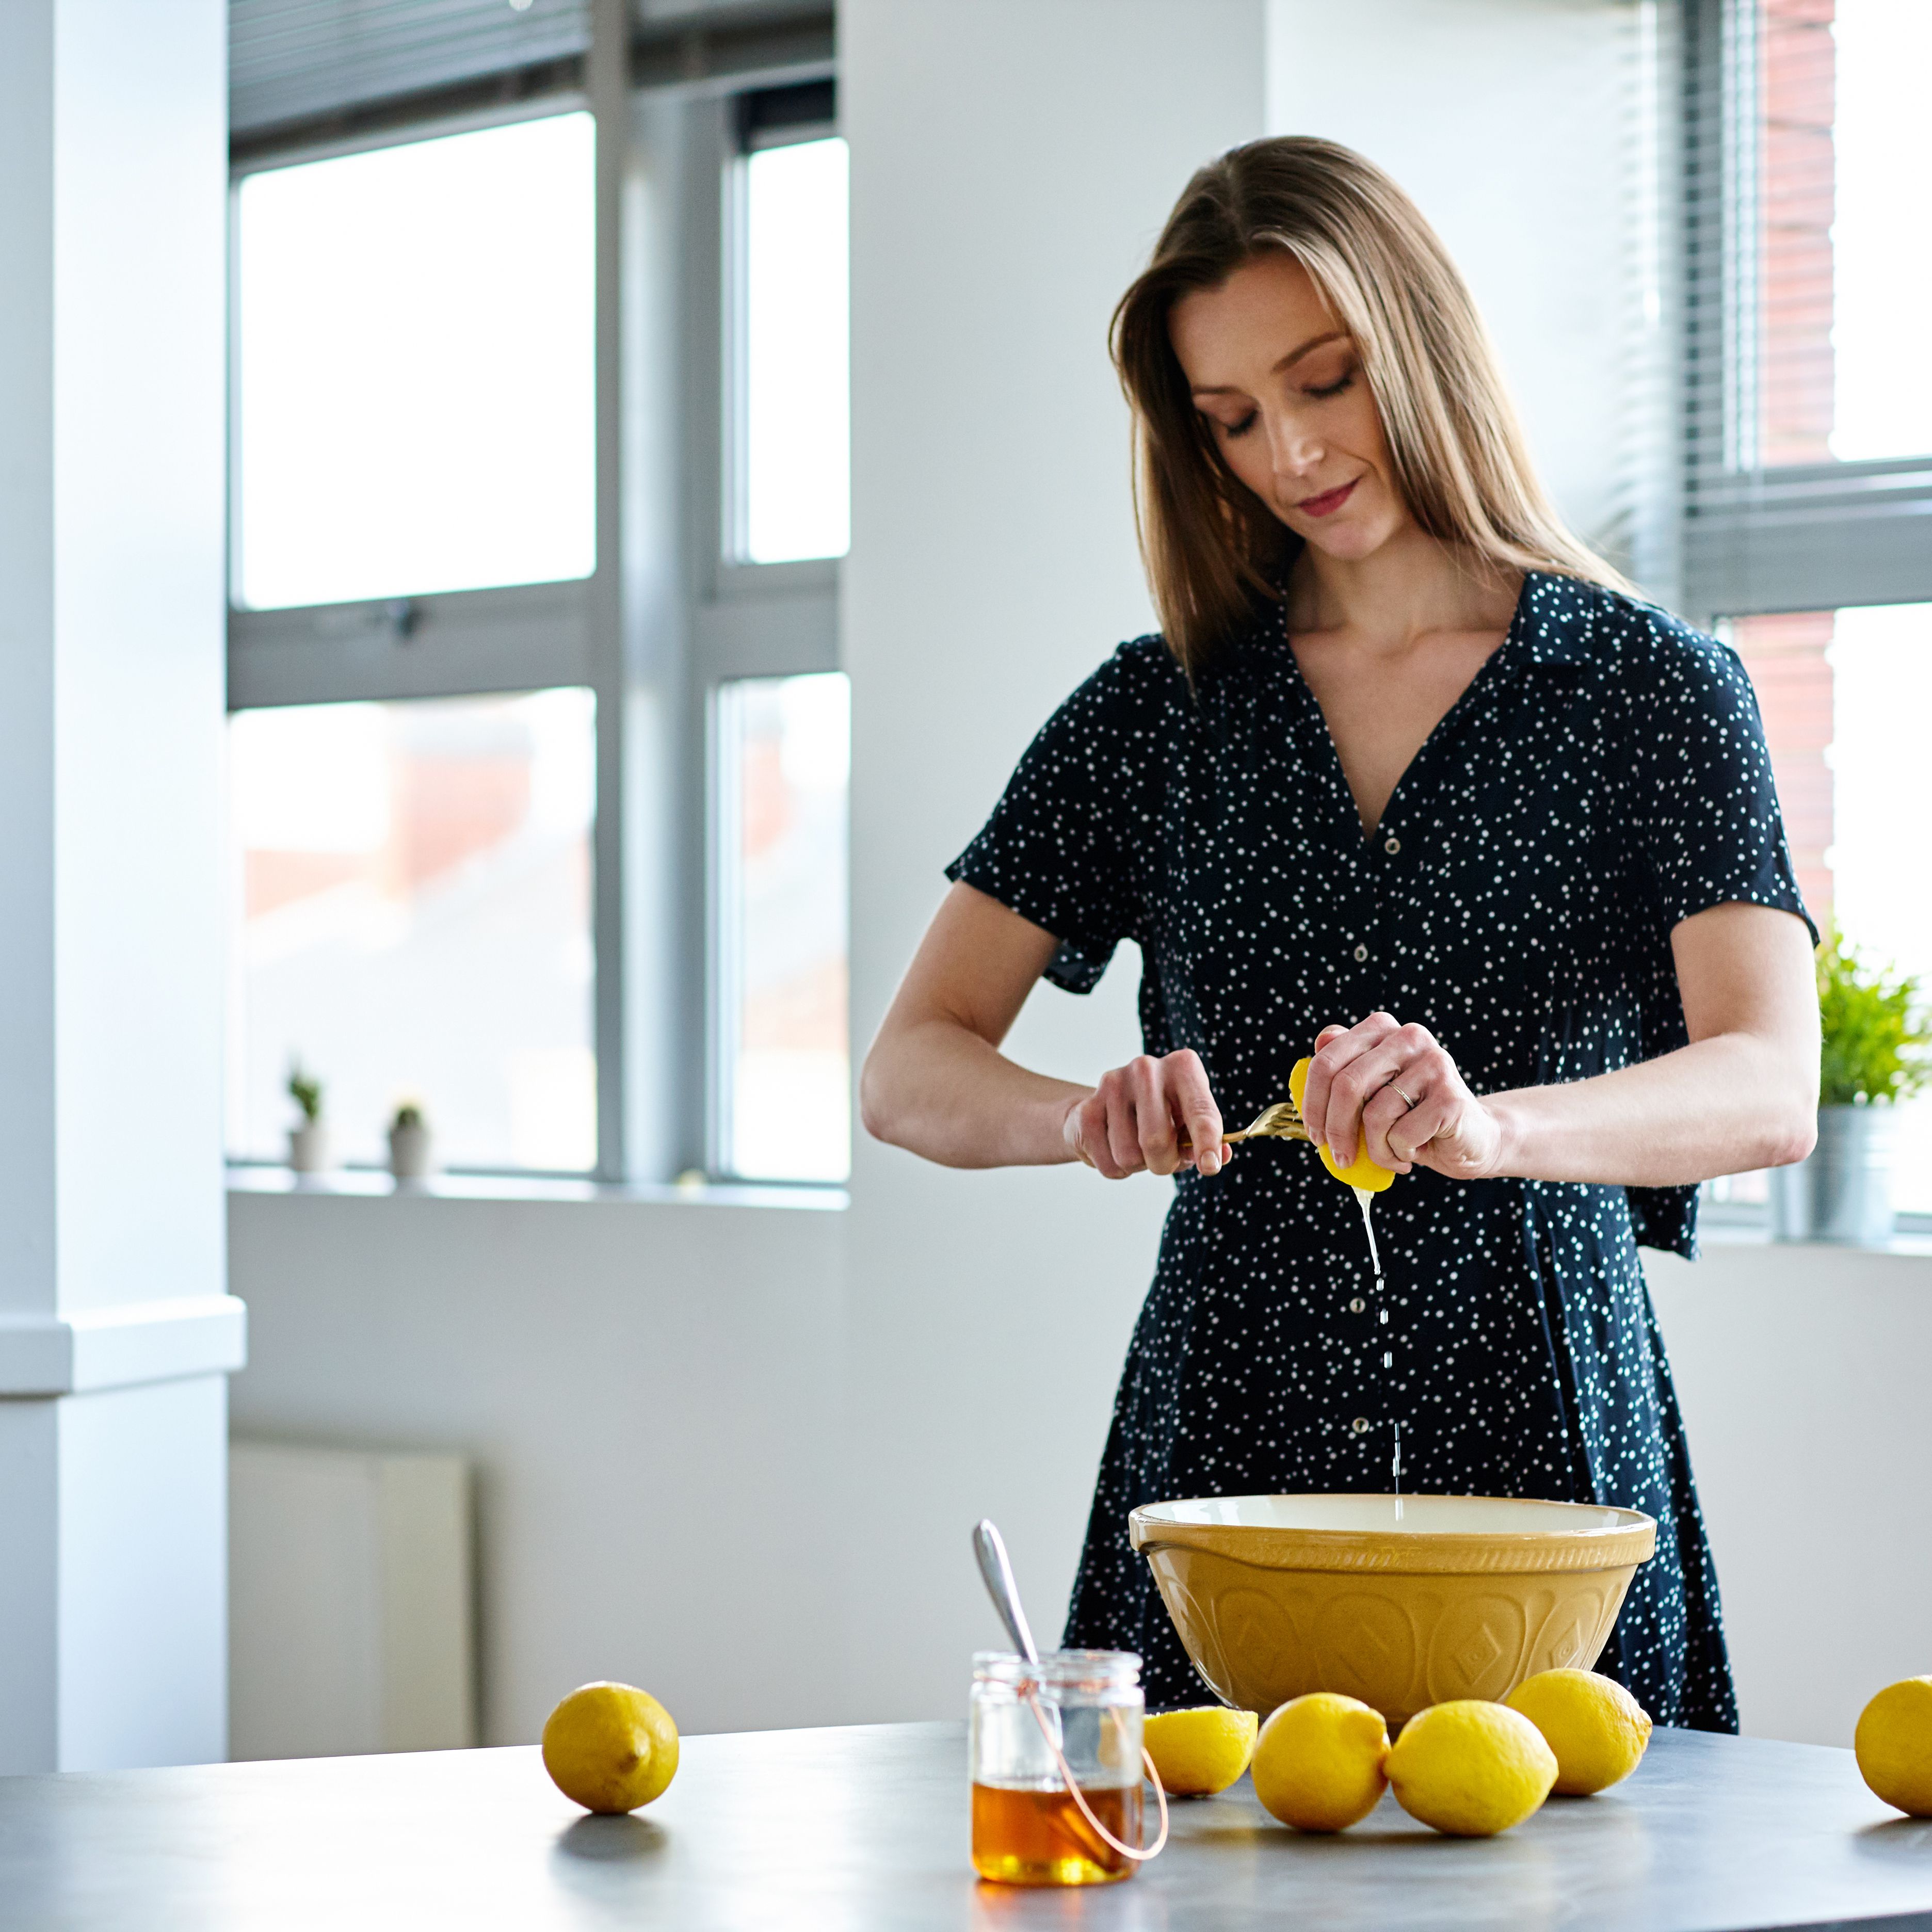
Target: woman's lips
<point>1327,502</point>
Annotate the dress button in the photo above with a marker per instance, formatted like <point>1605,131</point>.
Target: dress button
<point>1356,1307</point>
<point>1361,1425</point>
<point>1361,953</point>
<point>1391,845</point>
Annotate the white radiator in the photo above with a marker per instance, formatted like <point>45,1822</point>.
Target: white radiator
<point>351,1627</point>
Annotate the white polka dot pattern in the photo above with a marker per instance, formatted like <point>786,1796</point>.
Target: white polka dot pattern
<point>1603,777</point>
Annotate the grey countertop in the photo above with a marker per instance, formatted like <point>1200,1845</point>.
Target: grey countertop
<point>865,1828</point>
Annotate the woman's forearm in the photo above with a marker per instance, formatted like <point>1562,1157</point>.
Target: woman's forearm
<point>938,1089</point>
<point>1726,1105</point>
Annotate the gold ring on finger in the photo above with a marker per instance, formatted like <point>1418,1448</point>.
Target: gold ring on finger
<point>1405,1096</point>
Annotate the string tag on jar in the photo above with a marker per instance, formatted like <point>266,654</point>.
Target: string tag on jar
<point>1029,1692</point>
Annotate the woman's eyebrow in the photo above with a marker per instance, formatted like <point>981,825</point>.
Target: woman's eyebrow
<point>1287,361</point>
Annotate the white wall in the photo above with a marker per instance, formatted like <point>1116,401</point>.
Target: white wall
<point>1510,123</point>
<point>1802,1372</point>
<point>649,1394</point>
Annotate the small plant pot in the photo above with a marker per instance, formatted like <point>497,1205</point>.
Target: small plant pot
<point>1841,1191</point>
<point>409,1152</point>
<point>308,1148</point>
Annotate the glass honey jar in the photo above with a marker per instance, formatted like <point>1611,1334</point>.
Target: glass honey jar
<point>1077,1714</point>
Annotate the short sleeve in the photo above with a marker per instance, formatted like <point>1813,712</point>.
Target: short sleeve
<point>1057,849</point>
<point>1704,811</point>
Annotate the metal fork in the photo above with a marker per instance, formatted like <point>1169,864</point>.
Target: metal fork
<point>1281,1122</point>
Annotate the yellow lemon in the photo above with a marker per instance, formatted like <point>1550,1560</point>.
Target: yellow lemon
<point>611,1747</point>
<point>1471,1768</point>
<point>1597,1729</point>
<point>1200,1752</point>
<point>1361,1171</point>
<point>1318,1762</point>
<point>1894,1743</point>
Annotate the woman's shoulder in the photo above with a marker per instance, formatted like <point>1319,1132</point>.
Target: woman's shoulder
<point>1645,650</point>
<point>1140,683</point>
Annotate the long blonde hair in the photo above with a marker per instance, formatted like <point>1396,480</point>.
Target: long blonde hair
<point>1214,551</point>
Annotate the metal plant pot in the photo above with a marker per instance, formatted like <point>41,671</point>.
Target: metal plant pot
<point>1842,1190</point>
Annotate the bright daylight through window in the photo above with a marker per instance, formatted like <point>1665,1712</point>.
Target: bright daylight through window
<point>412,922</point>
<point>784,755</point>
<point>1846,172</point>
<point>414,382</point>
<point>793,481</point>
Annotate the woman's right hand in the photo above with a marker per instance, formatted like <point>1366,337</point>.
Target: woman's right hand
<point>1152,1116</point>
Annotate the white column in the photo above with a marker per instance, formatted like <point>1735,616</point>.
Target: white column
<point>1012,161</point>
<point>115,1336</point>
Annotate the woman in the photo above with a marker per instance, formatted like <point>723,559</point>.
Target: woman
<point>1406,750</point>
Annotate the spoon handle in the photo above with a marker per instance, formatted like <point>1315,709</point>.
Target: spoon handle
<point>998,1574</point>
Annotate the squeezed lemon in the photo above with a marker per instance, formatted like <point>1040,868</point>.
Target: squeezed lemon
<point>1361,1172</point>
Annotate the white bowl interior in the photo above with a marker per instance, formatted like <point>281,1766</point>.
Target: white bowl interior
<point>1421,1516</point>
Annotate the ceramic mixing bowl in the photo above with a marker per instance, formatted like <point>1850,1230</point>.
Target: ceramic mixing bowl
<point>1464,1597</point>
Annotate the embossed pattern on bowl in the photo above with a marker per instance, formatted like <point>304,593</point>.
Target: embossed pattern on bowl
<point>1276,1596</point>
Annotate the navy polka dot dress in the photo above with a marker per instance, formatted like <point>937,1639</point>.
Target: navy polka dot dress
<point>1603,776</point>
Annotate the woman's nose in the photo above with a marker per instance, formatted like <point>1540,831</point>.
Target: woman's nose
<point>1296,453</point>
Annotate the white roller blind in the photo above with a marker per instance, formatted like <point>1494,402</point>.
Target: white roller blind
<point>291,58</point>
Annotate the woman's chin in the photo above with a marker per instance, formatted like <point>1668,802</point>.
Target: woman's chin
<point>1346,542</point>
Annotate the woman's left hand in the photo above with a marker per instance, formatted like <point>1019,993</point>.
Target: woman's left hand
<point>1391,1088</point>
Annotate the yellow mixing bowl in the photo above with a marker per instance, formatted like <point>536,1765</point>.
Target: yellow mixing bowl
<point>1465,1597</point>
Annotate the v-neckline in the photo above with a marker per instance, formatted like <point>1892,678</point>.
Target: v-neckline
<point>1438,732</point>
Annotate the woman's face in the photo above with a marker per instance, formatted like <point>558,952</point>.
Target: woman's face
<point>1289,409</point>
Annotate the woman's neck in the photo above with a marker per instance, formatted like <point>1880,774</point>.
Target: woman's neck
<point>1407,587</point>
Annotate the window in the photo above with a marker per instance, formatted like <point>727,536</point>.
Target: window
<point>784,755</point>
<point>538,740</point>
<point>1809,444</point>
<point>1846,696</point>
<point>791,405</point>
<point>414,394</point>
<point>412,922</point>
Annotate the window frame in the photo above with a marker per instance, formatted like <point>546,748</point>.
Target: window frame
<point>666,617</point>
<point>1759,540</point>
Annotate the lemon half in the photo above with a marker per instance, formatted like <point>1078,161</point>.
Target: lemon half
<point>1361,1171</point>
<point>1200,1752</point>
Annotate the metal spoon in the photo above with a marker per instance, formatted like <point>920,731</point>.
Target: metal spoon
<point>998,1572</point>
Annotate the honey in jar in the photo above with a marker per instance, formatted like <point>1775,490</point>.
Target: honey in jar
<point>1075,1712</point>
<point>1024,1835</point>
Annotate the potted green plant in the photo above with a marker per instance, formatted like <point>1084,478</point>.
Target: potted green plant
<point>308,1139</point>
<point>1874,1056</point>
<point>409,1143</point>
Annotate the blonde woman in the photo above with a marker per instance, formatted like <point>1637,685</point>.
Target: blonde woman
<point>1412,776</point>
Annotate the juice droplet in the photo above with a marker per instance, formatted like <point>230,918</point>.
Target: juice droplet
<point>1395,1469</point>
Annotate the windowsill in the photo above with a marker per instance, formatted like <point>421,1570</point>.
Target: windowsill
<point>1909,1244</point>
<point>367,1183</point>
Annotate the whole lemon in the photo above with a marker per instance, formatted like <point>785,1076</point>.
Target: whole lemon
<point>1200,1752</point>
<point>1894,1743</point>
<point>1597,1729</point>
<point>1318,1762</point>
<point>611,1747</point>
<point>1471,1768</point>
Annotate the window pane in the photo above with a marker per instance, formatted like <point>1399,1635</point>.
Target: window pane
<point>1845,695</point>
<point>784,1067</point>
<point>1846,175</point>
<point>793,436</point>
<point>415,398</point>
<point>413,922</point>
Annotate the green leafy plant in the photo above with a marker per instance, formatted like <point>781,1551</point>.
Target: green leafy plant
<point>409,1115</point>
<point>1875,1042</point>
<point>305,1089</point>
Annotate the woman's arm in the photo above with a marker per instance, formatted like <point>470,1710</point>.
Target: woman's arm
<point>936,1083</point>
<point>1744,1093</point>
